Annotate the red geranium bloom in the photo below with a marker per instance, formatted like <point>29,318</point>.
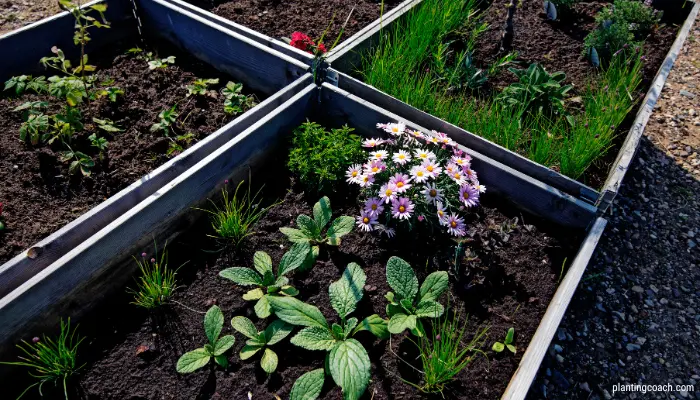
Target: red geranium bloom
<point>303,42</point>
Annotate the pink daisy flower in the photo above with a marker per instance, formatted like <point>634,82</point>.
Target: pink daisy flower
<point>353,173</point>
<point>459,177</point>
<point>381,126</point>
<point>373,207</point>
<point>401,182</point>
<point>365,180</point>
<point>432,168</point>
<point>451,168</point>
<point>372,142</point>
<point>441,214</point>
<point>471,175</point>
<point>469,195</point>
<point>379,155</point>
<point>374,167</point>
<point>424,154</point>
<point>388,192</point>
<point>462,162</point>
<point>432,194</point>
<point>396,129</point>
<point>417,134</point>
<point>401,157</point>
<point>455,225</point>
<point>365,221</point>
<point>481,188</point>
<point>419,174</point>
<point>402,208</point>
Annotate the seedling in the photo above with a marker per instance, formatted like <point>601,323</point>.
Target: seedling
<point>161,63</point>
<point>507,343</point>
<point>311,230</point>
<point>157,282</point>
<point>99,143</point>
<point>78,161</point>
<point>235,102</point>
<point>308,386</point>
<point>65,125</point>
<point>111,93</point>
<point>408,305</point>
<point>347,361</point>
<point>258,341</point>
<point>24,83</point>
<point>199,87</point>
<point>166,120</point>
<point>217,346</point>
<point>267,283</point>
<point>51,360</point>
<point>176,144</point>
<point>72,89</point>
<point>35,121</point>
<point>107,125</point>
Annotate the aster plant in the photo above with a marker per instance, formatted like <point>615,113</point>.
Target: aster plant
<point>414,177</point>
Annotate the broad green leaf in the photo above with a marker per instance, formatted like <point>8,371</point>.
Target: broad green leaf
<point>350,324</point>
<point>375,324</point>
<point>434,285</point>
<point>308,386</point>
<point>295,235</point>
<point>314,338</point>
<point>262,262</point>
<point>268,362</point>
<point>349,366</point>
<point>221,360</point>
<point>281,282</point>
<point>289,291</point>
<point>498,347</point>
<point>341,226</point>
<point>310,259</point>
<point>192,361</point>
<point>262,307</point>
<point>401,278</point>
<point>242,276</point>
<point>308,226</point>
<point>511,348</point>
<point>393,309</point>
<point>400,322</point>
<point>509,336</point>
<point>429,309</point>
<point>346,292</point>
<point>296,312</point>
<point>276,331</point>
<point>99,7</point>
<point>249,350</point>
<point>223,344</point>
<point>322,212</point>
<point>293,259</point>
<point>338,331</point>
<point>244,326</point>
<point>253,294</point>
<point>213,322</point>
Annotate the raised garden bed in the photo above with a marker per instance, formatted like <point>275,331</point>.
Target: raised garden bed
<point>577,161</point>
<point>514,275</point>
<point>138,158</point>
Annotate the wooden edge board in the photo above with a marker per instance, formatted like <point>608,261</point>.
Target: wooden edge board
<point>629,147</point>
<point>530,363</point>
<point>20,268</point>
<point>259,37</point>
<point>530,194</point>
<point>69,286</point>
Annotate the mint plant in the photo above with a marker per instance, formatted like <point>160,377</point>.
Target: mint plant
<point>336,338</point>
<point>160,63</point>
<point>200,87</point>
<point>507,343</point>
<point>257,341</point>
<point>166,119</point>
<point>268,284</point>
<point>311,230</point>
<point>217,346</point>
<point>235,102</point>
<point>409,304</point>
<point>308,386</point>
<point>24,83</point>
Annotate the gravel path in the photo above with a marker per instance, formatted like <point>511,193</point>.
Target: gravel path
<point>635,318</point>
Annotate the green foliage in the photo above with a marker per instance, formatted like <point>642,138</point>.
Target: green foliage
<point>35,121</point>
<point>161,63</point>
<point>217,346</point>
<point>637,16</point>
<point>257,341</point>
<point>463,73</point>
<point>537,91</point>
<point>24,83</point>
<point>200,87</point>
<point>156,282</point>
<point>347,361</point>
<point>107,125</point>
<point>166,119</point>
<point>235,102</point>
<point>111,93</point>
<point>51,360</point>
<point>268,284</point>
<point>507,343</point>
<point>311,230</point>
<point>78,161</point>
<point>99,143</point>
<point>319,158</point>
<point>65,125</point>
<point>409,304</point>
<point>608,40</point>
<point>308,386</point>
<point>177,143</point>
<point>72,89</point>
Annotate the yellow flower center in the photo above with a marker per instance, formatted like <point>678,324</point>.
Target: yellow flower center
<point>419,173</point>
<point>429,168</point>
<point>401,156</point>
<point>453,224</point>
<point>375,169</point>
<point>365,220</point>
<point>402,208</point>
<point>354,174</point>
<point>395,129</point>
<point>388,192</point>
<point>399,184</point>
<point>374,207</point>
<point>433,192</point>
<point>466,195</point>
<point>440,213</point>
<point>458,176</point>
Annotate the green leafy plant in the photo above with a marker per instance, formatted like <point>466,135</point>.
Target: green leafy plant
<point>24,83</point>
<point>51,360</point>
<point>608,40</point>
<point>217,346</point>
<point>507,343</point>
<point>99,143</point>
<point>537,90</point>
<point>257,341</point>
<point>72,89</point>
<point>64,125</point>
<point>177,143</point>
<point>639,17</point>
<point>166,119</point>
<point>336,338</point>
<point>235,102</point>
<point>35,121</point>
<point>161,63</point>
<point>107,125</point>
<point>111,93</point>
<point>409,304</point>
<point>308,386</point>
<point>311,230</point>
<point>200,87</point>
<point>156,282</point>
<point>78,161</point>
<point>267,283</point>
<point>319,158</point>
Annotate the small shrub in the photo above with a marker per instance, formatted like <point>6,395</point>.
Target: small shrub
<point>319,157</point>
<point>161,63</point>
<point>51,360</point>
<point>537,91</point>
<point>637,16</point>
<point>201,87</point>
<point>24,83</point>
<point>608,40</point>
<point>156,283</point>
<point>166,119</point>
<point>257,341</point>
<point>506,344</point>
<point>79,161</point>
<point>235,102</point>
<point>217,346</point>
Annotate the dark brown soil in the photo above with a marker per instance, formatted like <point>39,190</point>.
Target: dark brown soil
<point>39,194</point>
<point>278,19</point>
<point>507,281</point>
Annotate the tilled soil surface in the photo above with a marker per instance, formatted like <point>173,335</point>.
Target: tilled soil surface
<point>17,13</point>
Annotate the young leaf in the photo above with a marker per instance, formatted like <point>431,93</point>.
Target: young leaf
<point>262,262</point>
<point>253,294</point>
<point>269,361</point>
<point>223,344</point>
<point>308,386</point>
<point>249,350</point>
<point>293,259</point>
<point>262,307</point>
<point>277,331</point>
<point>244,326</point>
<point>221,360</point>
<point>308,226</point>
<point>322,212</point>
<point>296,312</point>
<point>341,226</point>
<point>346,292</point>
<point>509,336</point>
<point>429,309</point>
<point>401,278</point>
<point>498,347</point>
<point>289,291</point>
<point>192,361</point>
<point>434,285</point>
<point>242,276</point>
<point>310,259</point>
<point>349,366</point>
<point>511,348</point>
<point>314,338</point>
<point>295,235</point>
<point>213,322</point>
<point>375,324</point>
<point>399,322</point>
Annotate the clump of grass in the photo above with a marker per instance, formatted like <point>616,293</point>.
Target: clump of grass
<point>445,353</point>
<point>51,360</point>
<point>233,219</point>
<point>156,283</point>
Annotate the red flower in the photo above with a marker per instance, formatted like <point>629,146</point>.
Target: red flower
<point>303,42</point>
<point>322,48</point>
